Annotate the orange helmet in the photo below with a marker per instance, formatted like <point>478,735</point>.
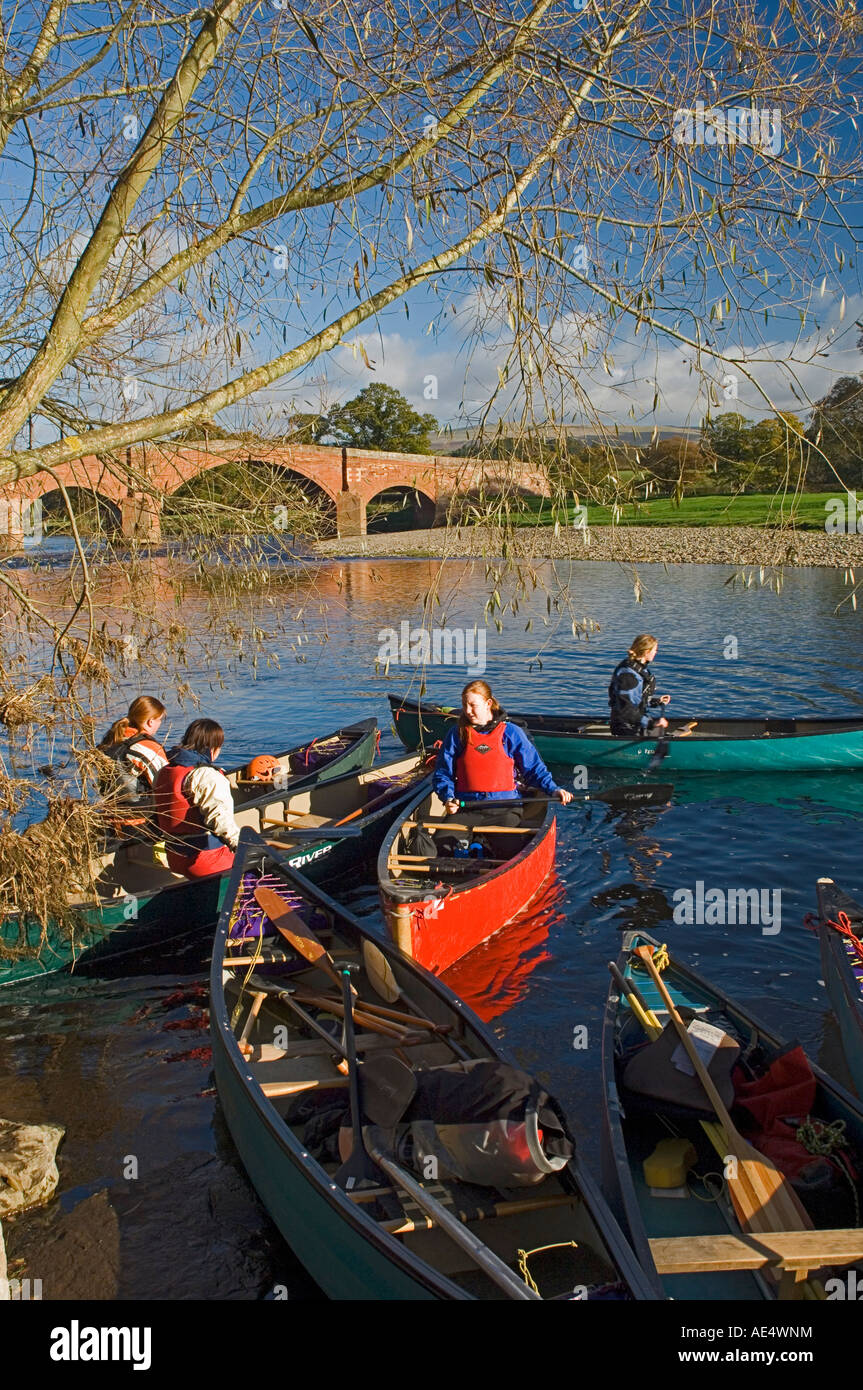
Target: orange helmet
<point>263,768</point>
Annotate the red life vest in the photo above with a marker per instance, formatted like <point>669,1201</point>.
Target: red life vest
<point>179,819</point>
<point>483,765</point>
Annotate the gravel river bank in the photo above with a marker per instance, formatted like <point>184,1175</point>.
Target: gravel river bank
<point>674,545</point>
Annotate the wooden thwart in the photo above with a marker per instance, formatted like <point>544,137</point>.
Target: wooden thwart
<point>790,1250</point>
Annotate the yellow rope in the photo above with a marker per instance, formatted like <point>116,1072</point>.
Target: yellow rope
<point>256,953</point>
<point>524,1256</point>
<point>661,959</point>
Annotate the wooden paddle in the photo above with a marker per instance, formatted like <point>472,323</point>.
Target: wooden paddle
<point>379,974</point>
<point>763,1198</point>
<point>401,785</point>
<point>291,926</point>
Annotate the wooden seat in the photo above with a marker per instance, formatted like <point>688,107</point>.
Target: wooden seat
<point>794,1250</point>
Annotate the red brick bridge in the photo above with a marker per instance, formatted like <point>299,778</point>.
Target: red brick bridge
<point>138,484</point>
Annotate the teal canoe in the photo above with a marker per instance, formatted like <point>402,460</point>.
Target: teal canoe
<point>771,744</point>
<point>143,903</point>
<point>375,1243</point>
<point>842,967</point>
<point>636,1121</point>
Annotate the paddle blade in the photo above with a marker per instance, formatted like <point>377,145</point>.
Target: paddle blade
<point>648,794</point>
<point>379,973</point>
<point>388,1089</point>
<point>358,1170</point>
<point>763,1198</point>
<point>292,927</point>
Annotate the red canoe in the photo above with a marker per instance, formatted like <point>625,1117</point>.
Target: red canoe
<point>438,909</point>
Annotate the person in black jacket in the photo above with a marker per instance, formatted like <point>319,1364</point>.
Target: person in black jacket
<point>635,708</point>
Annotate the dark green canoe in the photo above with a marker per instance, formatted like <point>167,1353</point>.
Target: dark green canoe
<point>635,1122</point>
<point>771,744</point>
<point>142,902</point>
<point>843,970</point>
<point>362,1244</point>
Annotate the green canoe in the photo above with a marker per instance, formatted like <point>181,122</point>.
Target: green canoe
<point>843,970</point>
<point>143,903</point>
<point>771,744</point>
<point>272,1048</point>
<point>648,1102</point>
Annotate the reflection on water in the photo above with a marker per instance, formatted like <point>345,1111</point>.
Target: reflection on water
<point>494,978</point>
<point>119,1057</point>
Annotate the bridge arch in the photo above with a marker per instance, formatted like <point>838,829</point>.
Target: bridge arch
<point>270,494</point>
<point>178,467</point>
<point>94,512</point>
<point>400,507</point>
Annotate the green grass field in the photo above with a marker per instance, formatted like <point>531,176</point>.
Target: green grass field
<point>806,512</point>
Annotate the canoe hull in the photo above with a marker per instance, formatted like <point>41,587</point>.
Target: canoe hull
<point>344,1249</point>
<point>642,1214</point>
<point>844,989</point>
<point>121,927</point>
<point>438,930</point>
<point>558,741</point>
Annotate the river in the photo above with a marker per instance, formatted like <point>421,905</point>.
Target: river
<point>152,1201</point>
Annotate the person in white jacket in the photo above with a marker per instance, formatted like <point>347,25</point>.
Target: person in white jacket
<point>194,806</point>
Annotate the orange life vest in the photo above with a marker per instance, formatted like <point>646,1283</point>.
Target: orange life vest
<point>483,765</point>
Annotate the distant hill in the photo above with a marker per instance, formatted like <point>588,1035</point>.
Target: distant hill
<point>445,441</point>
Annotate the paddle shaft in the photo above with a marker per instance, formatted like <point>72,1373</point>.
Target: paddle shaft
<point>287,997</point>
<point>401,785</point>
<point>353,1067</point>
<point>630,793</point>
<point>700,1070</point>
<point>639,1008</point>
<point>316,832</point>
<point>487,1260</point>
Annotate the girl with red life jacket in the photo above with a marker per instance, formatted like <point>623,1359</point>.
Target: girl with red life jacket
<point>482,754</point>
<point>194,806</point>
<point>132,746</point>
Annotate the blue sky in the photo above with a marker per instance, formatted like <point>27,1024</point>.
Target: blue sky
<point>435,353</point>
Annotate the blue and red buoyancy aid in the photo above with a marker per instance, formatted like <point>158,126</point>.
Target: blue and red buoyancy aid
<point>180,821</point>
<point>483,765</point>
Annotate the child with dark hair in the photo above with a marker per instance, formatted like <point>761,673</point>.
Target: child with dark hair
<point>194,806</point>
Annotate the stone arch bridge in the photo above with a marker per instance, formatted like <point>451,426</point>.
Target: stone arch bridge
<point>138,484</point>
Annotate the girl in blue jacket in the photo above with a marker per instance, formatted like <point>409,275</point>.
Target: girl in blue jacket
<point>481,755</point>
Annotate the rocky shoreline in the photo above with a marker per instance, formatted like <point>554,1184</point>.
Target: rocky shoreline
<point>671,545</point>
